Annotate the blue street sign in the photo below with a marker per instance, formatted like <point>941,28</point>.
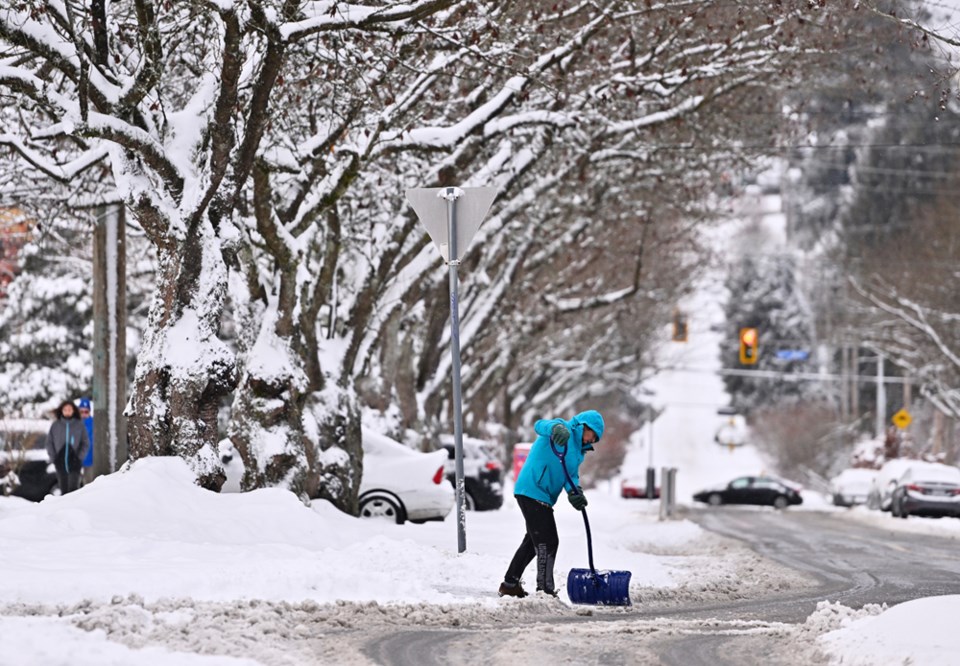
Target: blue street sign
<point>793,354</point>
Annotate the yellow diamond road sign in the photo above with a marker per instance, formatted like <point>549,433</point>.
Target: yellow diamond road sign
<point>902,419</point>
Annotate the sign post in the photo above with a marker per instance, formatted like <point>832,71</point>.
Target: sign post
<point>452,216</point>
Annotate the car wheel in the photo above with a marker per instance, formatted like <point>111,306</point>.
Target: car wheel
<point>714,499</point>
<point>894,509</point>
<point>903,511</point>
<point>469,503</point>
<point>381,507</point>
<point>780,502</point>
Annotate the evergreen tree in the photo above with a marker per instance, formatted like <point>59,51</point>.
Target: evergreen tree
<point>46,323</point>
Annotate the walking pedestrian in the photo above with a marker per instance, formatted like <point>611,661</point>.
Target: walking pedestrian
<point>67,446</point>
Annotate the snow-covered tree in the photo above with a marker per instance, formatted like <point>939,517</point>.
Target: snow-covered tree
<point>264,147</point>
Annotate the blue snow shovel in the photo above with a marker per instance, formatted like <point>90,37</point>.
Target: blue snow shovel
<point>589,586</point>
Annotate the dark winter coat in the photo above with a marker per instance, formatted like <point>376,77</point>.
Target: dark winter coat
<point>67,444</point>
<point>541,477</point>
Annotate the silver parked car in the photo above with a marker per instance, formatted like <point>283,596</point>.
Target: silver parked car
<point>927,489</point>
<point>881,489</point>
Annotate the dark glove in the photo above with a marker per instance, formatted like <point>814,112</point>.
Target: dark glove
<point>560,435</point>
<point>577,499</point>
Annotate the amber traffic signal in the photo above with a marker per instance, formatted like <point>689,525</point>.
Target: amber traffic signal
<point>749,345</point>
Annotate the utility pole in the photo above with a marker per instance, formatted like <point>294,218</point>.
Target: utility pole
<point>881,399</point>
<point>109,340</point>
<point>854,382</point>
<point>844,383</point>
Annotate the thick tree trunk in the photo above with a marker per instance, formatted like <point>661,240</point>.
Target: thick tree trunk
<point>184,369</point>
<point>338,462</point>
<point>307,441</point>
<point>267,424</point>
<point>293,429</point>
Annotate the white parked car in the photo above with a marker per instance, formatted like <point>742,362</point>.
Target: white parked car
<point>398,483</point>
<point>851,486</point>
<point>401,484</point>
<point>884,483</point>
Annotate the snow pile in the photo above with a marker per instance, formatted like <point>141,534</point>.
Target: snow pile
<point>915,632</point>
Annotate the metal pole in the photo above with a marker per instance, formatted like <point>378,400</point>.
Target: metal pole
<point>673,490</point>
<point>881,398</point>
<point>664,492</point>
<point>650,433</point>
<point>451,195</point>
<point>651,474</point>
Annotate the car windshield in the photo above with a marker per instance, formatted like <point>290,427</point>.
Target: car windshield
<point>941,474</point>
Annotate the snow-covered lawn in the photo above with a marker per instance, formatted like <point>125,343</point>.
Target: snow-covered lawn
<point>113,573</point>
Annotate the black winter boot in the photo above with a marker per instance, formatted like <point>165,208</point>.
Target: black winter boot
<point>508,590</point>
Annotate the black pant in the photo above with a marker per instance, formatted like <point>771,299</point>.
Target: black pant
<point>68,481</point>
<point>541,541</point>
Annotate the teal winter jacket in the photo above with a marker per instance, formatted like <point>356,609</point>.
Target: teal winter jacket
<point>541,477</point>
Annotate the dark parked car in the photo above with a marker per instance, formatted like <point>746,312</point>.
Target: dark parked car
<point>24,469</point>
<point>482,473</point>
<point>927,489</point>
<point>762,490</point>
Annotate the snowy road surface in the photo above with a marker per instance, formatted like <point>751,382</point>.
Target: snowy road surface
<point>770,620</point>
<point>856,563</point>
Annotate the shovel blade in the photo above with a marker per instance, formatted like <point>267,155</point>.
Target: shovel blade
<point>603,588</point>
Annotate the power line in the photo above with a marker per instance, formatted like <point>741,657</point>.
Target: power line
<point>785,376</point>
<point>803,146</point>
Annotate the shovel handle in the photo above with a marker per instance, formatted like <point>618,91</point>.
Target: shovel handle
<point>586,522</point>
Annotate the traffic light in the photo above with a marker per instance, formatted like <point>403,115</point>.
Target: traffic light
<point>749,346</point>
<point>679,327</point>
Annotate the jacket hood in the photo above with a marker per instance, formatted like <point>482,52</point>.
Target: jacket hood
<point>593,420</point>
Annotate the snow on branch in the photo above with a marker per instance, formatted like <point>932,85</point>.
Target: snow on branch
<point>61,172</point>
<point>331,15</point>
<point>448,137</point>
<point>568,304</point>
<point>97,125</point>
<point>514,121</point>
<point>891,15</point>
<point>912,314</point>
<point>686,106</point>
